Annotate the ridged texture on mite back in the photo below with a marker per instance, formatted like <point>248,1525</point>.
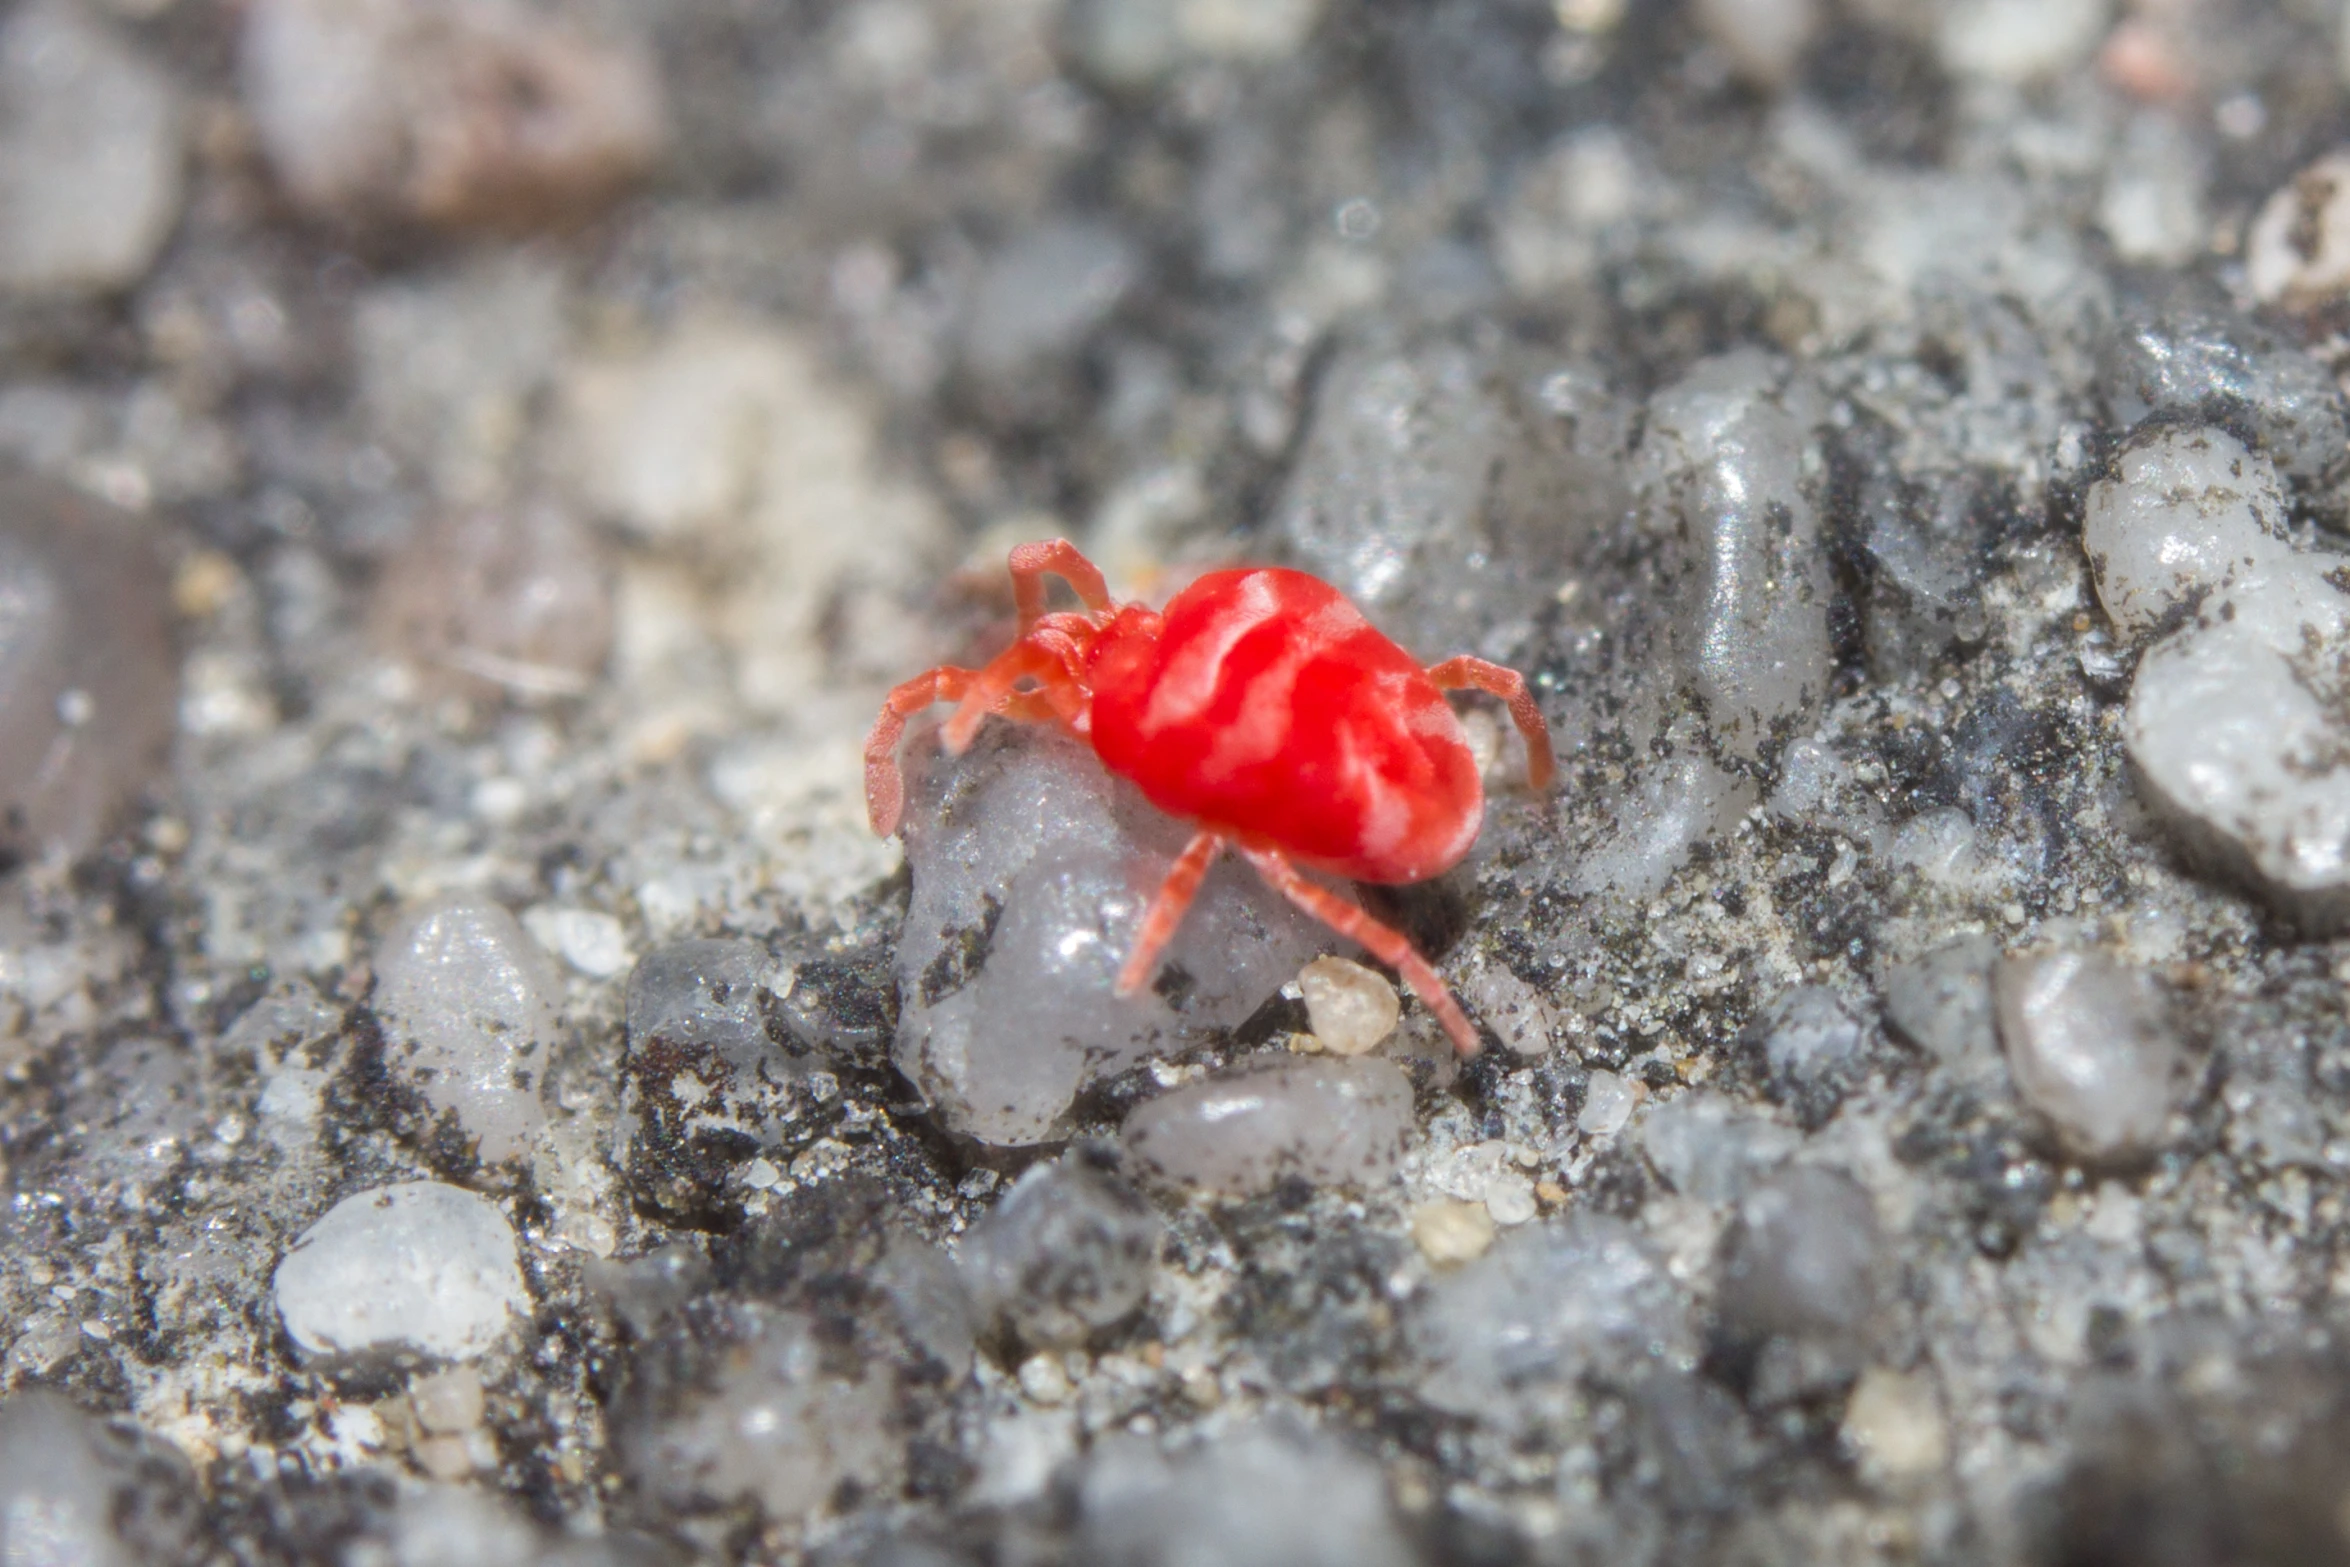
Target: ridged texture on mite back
<point>1268,706</point>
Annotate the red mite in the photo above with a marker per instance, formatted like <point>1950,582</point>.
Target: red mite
<point>1260,705</point>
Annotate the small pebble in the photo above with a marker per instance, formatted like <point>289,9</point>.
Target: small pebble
<point>418,1267</point>
<point>1045,1379</point>
<point>1800,1279</point>
<point>90,154</point>
<point>1328,1122</point>
<point>501,601</point>
<point>1724,457</point>
<point>1070,1249</point>
<point>1267,1495</point>
<point>2094,1051</point>
<point>2019,41</point>
<point>1450,1233</point>
<point>461,114</point>
<point>593,943</point>
<point>2297,251</point>
<point>1352,1008</point>
<point>1893,1424</point>
<point>1940,1001</point>
<point>88,674</point>
<point>448,1403</point>
<point>468,1007</point>
<point>78,1492</point>
<point>1608,1102</point>
<point>1765,39</point>
<point>1509,1198</point>
<point>2188,512</point>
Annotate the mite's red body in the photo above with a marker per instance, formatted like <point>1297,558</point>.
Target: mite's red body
<point>1262,707</point>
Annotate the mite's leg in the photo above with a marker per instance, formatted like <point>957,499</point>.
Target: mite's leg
<point>1388,945</point>
<point>993,690</point>
<point>885,786</point>
<point>1475,674</point>
<point>1032,563</point>
<point>1167,910</point>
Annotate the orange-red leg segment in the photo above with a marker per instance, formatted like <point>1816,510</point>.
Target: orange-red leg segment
<point>885,784</point>
<point>994,689</point>
<point>1475,674</point>
<point>1167,909</point>
<point>1032,563</point>
<point>1388,945</point>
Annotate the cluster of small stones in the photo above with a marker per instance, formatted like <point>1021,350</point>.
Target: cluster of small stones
<point>472,1090</point>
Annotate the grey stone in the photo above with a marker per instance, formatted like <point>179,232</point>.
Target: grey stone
<point>1069,1250</point>
<point>1940,1001</point>
<point>1710,1147</point>
<point>1722,466</point>
<point>1031,870</point>
<point>1812,1048</point>
<point>705,1080</point>
<point>2236,726</point>
<point>1329,1122</point>
<point>90,155</point>
<point>2095,1052</point>
<point>1507,1337</point>
<point>501,116</point>
<point>2187,354</point>
<point>88,673</point>
<point>414,1269</point>
<point>75,1492</point>
<point>1237,1503</point>
<point>1044,292</point>
<point>1801,1274</point>
<point>773,1421</point>
<point>1441,497</point>
<point>467,1001</point>
<point>2187,513</point>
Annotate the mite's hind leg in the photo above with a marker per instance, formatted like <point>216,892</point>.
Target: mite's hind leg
<point>1032,563</point>
<point>1383,942</point>
<point>1475,674</point>
<point>1167,909</point>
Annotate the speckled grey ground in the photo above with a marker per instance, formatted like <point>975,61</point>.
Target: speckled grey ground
<point>480,1099</point>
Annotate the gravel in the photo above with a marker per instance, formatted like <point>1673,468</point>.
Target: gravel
<point>474,1089</point>
<point>419,1268</point>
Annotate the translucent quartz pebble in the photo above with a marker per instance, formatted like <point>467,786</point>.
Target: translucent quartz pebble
<point>1031,869</point>
<point>1068,1250</point>
<point>2095,1051</point>
<point>2239,721</point>
<point>467,1001</point>
<point>1940,1001</point>
<point>1326,1122</point>
<point>1351,1007</point>
<point>1723,474</point>
<point>781,1417</point>
<point>1042,294</point>
<point>499,600</point>
<point>2187,511</point>
<point>458,113</point>
<point>1259,1497</point>
<point>1799,1281</point>
<point>1507,1336</point>
<point>90,155</point>
<point>418,1268</point>
<point>88,675</point>
<point>2239,734</point>
<point>76,1492</point>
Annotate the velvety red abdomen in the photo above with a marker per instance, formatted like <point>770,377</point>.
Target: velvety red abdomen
<point>1265,705</point>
